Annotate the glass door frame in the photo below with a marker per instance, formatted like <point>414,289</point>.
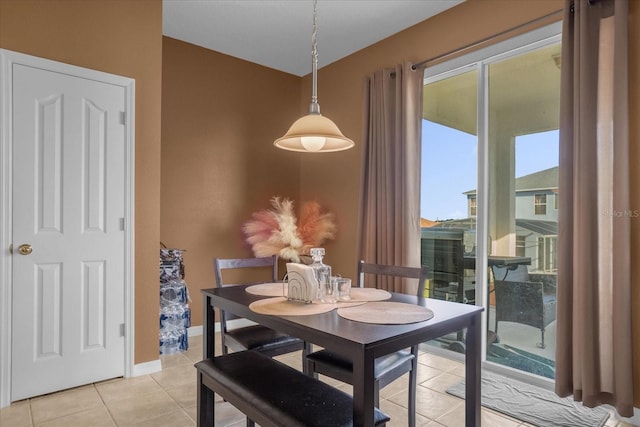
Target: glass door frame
<point>480,60</point>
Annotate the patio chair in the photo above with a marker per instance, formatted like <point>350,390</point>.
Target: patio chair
<point>387,368</point>
<point>522,300</point>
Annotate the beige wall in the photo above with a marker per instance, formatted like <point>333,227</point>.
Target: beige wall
<point>124,38</point>
<point>220,117</point>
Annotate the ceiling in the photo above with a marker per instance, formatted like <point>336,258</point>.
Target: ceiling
<point>523,96</point>
<point>277,33</point>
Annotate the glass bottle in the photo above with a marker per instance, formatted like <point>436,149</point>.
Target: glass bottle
<point>322,273</point>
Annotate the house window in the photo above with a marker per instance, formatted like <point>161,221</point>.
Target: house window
<point>521,245</point>
<point>555,201</point>
<point>472,206</point>
<point>540,204</point>
<point>547,253</point>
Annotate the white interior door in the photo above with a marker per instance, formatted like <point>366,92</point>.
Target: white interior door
<point>68,287</point>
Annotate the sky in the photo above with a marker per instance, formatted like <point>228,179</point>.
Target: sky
<point>449,166</point>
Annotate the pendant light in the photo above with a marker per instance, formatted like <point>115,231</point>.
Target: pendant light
<point>314,133</point>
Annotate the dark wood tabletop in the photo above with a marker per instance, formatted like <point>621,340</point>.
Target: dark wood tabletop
<point>362,342</point>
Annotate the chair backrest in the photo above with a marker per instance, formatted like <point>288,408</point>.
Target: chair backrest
<point>267,263</point>
<point>518,273</point>
<point>419,273</point>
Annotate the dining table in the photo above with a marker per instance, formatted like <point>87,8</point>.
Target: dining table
<point>360,341</point>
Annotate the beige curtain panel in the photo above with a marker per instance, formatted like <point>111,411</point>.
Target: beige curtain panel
<point>593,342</point>
<point>390,205</point>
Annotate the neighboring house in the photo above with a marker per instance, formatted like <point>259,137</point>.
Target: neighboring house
<point>536,196</point>
<point>536,217</point>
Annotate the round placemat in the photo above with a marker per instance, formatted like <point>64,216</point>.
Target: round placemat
<point>280,306</point>
<point>386,313</point>
<point>369,294</point>
<point>266,289</point>
<point>344,304</point>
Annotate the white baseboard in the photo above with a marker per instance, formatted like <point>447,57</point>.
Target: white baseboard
<point>195,331</point>
<point>155,365</point>
<point>146,368</point>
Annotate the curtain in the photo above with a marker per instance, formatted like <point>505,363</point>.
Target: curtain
<point>593,342</point>
<point>390,202</point>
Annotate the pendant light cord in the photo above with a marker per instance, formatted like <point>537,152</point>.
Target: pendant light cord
<point>314,108</point>
<point>314,132</point>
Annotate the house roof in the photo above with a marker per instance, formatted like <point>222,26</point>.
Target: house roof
<point>545,228</point>
<point>542,180</point>
<point>426,223</point>
<point>464,223</point>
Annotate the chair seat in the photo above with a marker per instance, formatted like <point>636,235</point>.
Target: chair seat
<point>339,364</point>
<point>260,338</point>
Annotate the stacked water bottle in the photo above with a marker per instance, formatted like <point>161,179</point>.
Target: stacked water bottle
<point>175,314</point>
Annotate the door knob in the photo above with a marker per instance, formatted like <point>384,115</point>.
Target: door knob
<point>25,249</point>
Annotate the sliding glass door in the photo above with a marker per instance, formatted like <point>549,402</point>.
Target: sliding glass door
<point>489,194</point>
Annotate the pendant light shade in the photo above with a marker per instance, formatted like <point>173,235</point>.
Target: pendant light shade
<point>314,133</point>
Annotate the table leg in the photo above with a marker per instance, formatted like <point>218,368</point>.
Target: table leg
<point>363,389</point>
<point>206,397</point>
<point>206,405</point>
<point>473,373</point>
<point>209,329</point>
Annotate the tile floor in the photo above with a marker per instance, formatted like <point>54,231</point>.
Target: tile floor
<point>168,398</point>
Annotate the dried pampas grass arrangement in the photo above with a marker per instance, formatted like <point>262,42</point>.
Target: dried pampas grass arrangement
<point>275,232</point>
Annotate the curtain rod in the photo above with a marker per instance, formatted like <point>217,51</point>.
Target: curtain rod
<point>422,64</point>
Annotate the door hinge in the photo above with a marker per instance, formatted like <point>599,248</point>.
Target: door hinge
<point>122,224</point>
<point>121,329</point>
<point>123,118</point>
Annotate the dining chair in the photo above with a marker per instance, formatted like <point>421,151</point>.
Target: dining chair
<point>254,337</point>
<point>387,368</point>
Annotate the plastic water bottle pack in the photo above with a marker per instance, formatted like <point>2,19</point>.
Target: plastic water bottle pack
<point>175,314</point>
<point>173,340</point>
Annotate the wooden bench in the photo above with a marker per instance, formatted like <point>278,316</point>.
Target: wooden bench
<point>271,393</point>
